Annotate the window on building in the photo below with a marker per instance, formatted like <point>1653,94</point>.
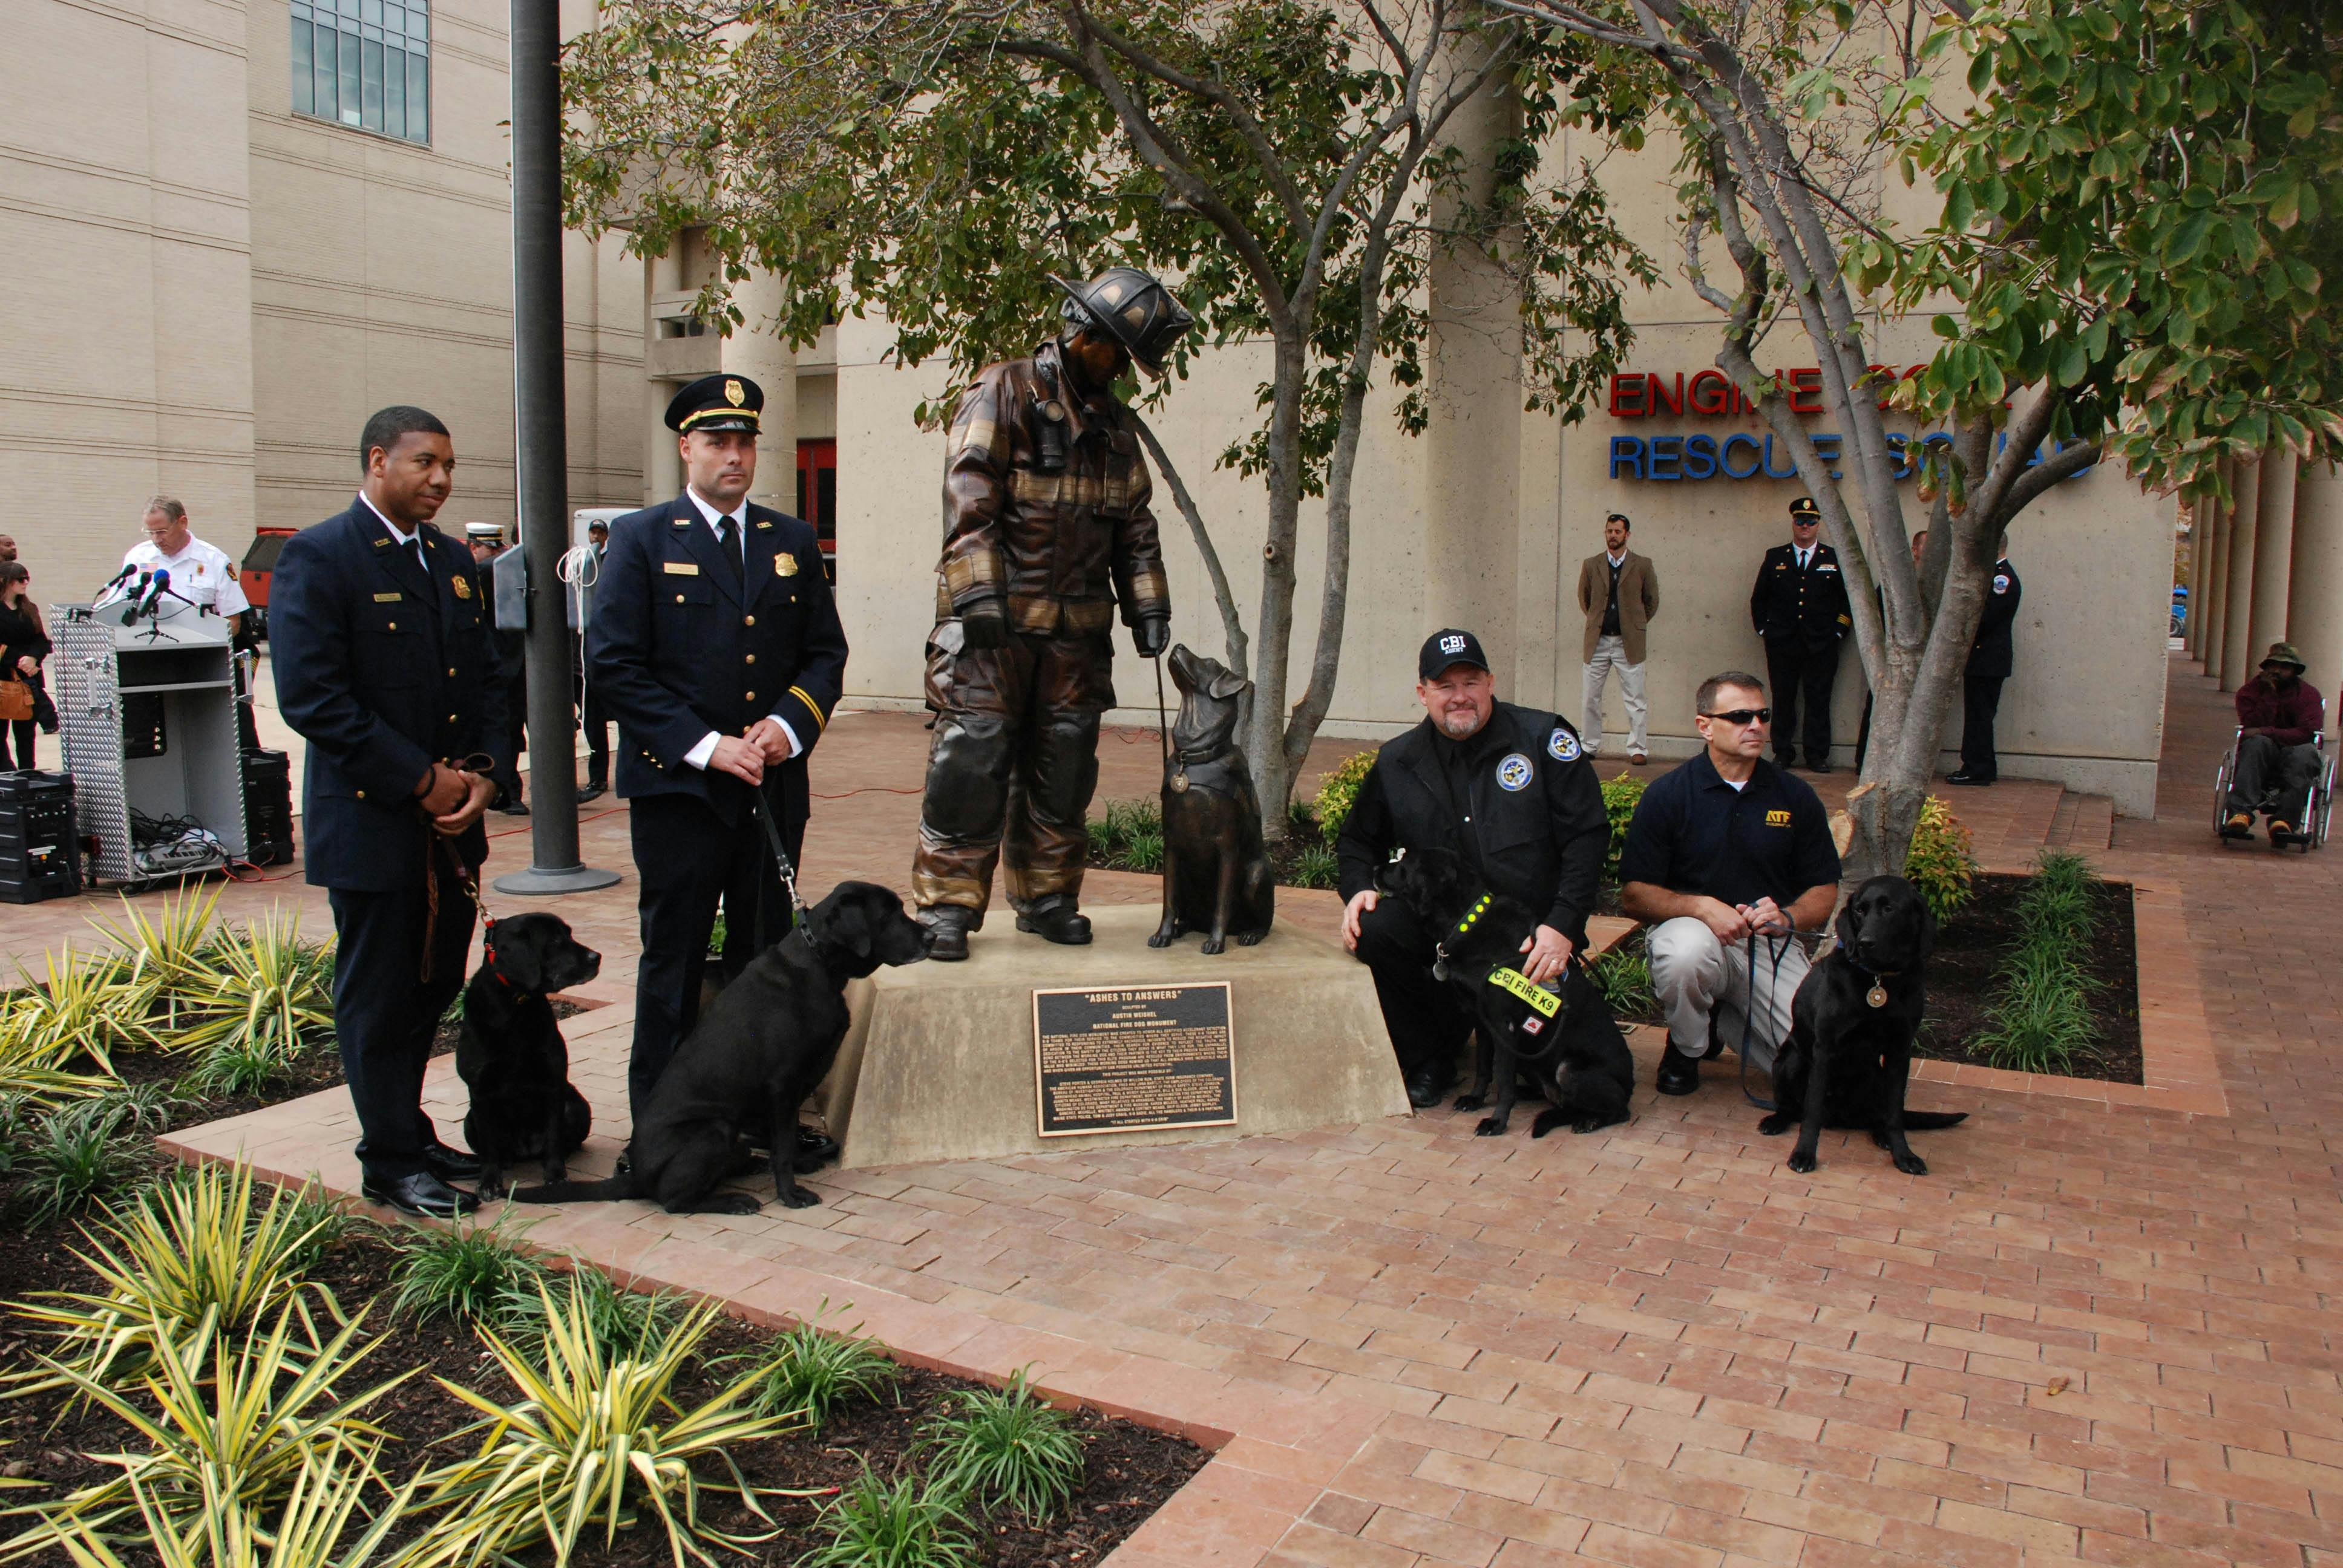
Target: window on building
<point>364,62</point>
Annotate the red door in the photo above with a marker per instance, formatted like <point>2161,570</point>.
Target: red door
<point>818,497</point>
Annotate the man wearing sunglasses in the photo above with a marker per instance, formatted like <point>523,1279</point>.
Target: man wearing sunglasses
<point>1726,847</point>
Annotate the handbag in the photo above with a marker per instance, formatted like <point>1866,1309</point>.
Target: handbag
<point>16,701</point>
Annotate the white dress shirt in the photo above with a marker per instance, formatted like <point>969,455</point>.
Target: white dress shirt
<point>704,749</point>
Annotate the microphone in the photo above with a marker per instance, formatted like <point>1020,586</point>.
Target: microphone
<point>131,598</point>
<point>117,579</point>
<point>150,589</point>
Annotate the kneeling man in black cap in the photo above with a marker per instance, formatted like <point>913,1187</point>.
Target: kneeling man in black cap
<point>1511,790</point>
<point>717,648</point>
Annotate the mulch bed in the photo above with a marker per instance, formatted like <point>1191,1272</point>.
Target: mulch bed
<point>1973,945</point>
<point>1131,1469</point>
<point>1964,979</point>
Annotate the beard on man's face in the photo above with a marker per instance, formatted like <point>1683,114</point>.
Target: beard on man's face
<point>1459,723</point>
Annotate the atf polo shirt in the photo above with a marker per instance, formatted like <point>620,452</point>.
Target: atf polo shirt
<point>1694,833</point>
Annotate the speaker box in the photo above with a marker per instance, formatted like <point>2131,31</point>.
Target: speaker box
<point>268,808</point>
<point>40,854</point>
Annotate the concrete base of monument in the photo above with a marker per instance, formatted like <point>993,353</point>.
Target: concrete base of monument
<point>938,1062</point>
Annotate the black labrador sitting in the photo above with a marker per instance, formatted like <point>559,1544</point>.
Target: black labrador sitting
<point>754,1057</point>
<point>1216,875</point>
<point>1849,1054</point>
<point>1576,1056</point>
<point>511,1053</point>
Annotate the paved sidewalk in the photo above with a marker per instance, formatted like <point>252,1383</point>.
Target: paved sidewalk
<point>2092,1332</point>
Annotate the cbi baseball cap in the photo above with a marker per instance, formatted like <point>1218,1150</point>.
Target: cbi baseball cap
<point>1447,646</point>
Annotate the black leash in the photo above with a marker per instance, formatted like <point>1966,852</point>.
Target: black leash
<point>1777,948</point>
<point>1162,723</point>
<point>780,856</point>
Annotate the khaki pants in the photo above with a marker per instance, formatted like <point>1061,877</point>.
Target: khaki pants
<point>1693,973</point>
<point>1610,654</point>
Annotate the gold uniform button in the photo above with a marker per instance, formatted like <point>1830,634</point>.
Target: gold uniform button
<point>750,698</point>
<point>679,598</point>
<point>451,669</point>
<point>748,621</point>
<point>452,718</point>
<point>393,626</point>
<point>361,794</point>
<point>752,658</point>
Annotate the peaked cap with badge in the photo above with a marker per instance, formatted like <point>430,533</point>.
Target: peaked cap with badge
<point>719,402</point>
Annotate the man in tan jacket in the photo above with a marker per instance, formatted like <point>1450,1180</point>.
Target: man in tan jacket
<point>1620,593</point>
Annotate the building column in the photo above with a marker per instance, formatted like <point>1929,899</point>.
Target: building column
<point>1471,470</point>
<point>662,463</point>
<point>2204,516</point>
<point>2273,557</point>
<point>755,350</point>
<point>2237,590</point>
<point>2217,577</point>
<point>2314,596</point>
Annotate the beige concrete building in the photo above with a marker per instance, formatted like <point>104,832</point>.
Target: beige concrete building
<point>2268,569</point>
<point>235,227</point>
<point>1485,518</point>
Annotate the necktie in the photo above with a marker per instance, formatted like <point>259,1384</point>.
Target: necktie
<point>1802,560</point>
<point>724,538</point>
<point>422,563</point>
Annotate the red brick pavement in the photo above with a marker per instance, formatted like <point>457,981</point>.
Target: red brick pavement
<point>2093,1332</point>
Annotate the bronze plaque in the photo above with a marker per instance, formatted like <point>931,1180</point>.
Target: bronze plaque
<point>1110,1060</point>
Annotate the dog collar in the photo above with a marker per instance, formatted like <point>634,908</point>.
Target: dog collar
<point>489,960</point>
<point>1877,995</point>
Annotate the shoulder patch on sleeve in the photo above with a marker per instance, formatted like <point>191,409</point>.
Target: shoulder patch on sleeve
<point>1562,745</point>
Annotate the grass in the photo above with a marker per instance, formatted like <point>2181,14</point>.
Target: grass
<point>1130,837</point>
<point>1004,1448</point>
<point>1623,975</point>
<point>594,1439</point>
<point>808,1373</point>
<point>193,1250</point>
<point>77,1155</point>
<point>901,1524</point>
<point>467,1271</point>
<point>227,1421</point>
<point>1317,866</point>
<point>2041,1019</point>
<point>266,1003</point>
<point>626,1323</point>
<point>309,1531</point>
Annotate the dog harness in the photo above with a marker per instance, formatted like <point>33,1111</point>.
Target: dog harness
<point>1464,929</point>
<point>1515,983</point>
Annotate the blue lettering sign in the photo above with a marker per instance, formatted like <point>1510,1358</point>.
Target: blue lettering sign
<point>1663,450</point>
<point>1627,453</point>
<point>1724,459</point>
<point>1700,458</point>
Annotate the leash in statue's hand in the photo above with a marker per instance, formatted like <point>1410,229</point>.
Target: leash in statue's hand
<point>1162,723</point>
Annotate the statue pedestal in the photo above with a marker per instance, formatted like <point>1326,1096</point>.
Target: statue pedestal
<point>939,1061</point>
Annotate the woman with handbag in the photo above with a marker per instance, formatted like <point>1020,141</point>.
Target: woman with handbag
<point>24,644</point>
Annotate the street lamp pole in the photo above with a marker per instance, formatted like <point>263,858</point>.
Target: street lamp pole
<point>542,452</point>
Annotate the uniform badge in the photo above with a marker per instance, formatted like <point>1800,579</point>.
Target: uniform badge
<point>1562,746</point>
<point>732,393</point>
<point>230,569</point>
<point>462,585</point>
<point>2001,582</point>
<point>1513,772</point>
<point>679,568</point>
<point>785,566</point>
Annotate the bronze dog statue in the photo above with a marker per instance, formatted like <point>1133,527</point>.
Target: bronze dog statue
<point>1216,875</point>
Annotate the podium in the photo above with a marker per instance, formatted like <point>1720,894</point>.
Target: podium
<point>146,724</point>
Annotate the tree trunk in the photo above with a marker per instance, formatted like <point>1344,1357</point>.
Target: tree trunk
<point>1272,772</point>
<point>1233,632</point>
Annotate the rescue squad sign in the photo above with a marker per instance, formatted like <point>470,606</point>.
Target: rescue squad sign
<point>1709,395</point>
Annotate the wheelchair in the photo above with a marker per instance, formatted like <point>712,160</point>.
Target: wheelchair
<point>2310,833</point>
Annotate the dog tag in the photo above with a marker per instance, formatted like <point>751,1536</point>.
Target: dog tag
<point>1877,995</point>
<point>1179,783</point>
<point>1440,967</point>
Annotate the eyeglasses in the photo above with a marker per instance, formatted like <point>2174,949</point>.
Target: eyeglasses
<point>1741,716</point>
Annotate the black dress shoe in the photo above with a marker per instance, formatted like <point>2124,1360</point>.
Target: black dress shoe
<point>513,808</point>
<point>1966,776</point>
<point>421,1195</point>
<point>593,791</point>
<point>815,1145</point>
<point>1819,765</point>
<point>1679,1073</point>
<point>451,1164</point>
<point>1056,921</point>
<point>1428,1088</point>
<point>948,927</point>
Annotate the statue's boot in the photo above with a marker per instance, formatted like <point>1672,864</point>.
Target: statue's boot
<point>1056,919</point>
<point>948,927</point>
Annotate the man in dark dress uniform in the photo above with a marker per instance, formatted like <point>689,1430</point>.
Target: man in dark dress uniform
<point>1799,607</point>
<point>385,665</point>
<point>1046,526</point>
<point>1991,658</point>
<point>719,650</point>
<point>1511,790</point>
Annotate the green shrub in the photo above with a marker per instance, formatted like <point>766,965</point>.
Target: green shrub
<point>266,1002</point>
<point>75,1157</point>
<point>1623,975</point>
<point>622,1322</point>
<point>808,1373</point>
<point>2041,1016</point>
<point>1143,851</point>
<point>1339,791</point>
<point>1317,866</point>
<point>1130,837</point>
<point>716,937</point>
<point>1942,859</point>
<point>1004,1448</point>
<point>1301,819</point>
<point>464,1270</point>
<point>1619,798</point>
<point>898,1524</point>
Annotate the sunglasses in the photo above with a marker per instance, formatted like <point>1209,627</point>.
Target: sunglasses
<point>1739,716</point>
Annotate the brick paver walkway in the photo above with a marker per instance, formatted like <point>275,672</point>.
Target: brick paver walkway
<point>2092,1332</point>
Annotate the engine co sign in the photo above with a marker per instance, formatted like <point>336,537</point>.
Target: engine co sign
<point>1711,396</point>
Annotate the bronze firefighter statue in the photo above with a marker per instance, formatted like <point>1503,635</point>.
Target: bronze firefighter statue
<point>1046,526</point>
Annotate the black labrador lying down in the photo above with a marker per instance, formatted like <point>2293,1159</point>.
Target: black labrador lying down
<point>1570,1046</point>
<point>1849,1054</point>
<point>755,1056</point>
<point>511,1053</point>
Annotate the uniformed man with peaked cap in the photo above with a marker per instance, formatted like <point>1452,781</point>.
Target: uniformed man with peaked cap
<point>1799,607</point>
<point>717,648</point>
<point>1047,528</point>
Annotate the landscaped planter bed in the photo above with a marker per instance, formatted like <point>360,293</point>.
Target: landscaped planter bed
<point>1129,1470</point>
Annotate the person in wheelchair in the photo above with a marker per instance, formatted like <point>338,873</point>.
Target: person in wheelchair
<point>2279,715</point>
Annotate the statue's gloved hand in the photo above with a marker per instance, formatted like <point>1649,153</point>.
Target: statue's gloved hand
<point>1151,635</point>
<point>984,624</point>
